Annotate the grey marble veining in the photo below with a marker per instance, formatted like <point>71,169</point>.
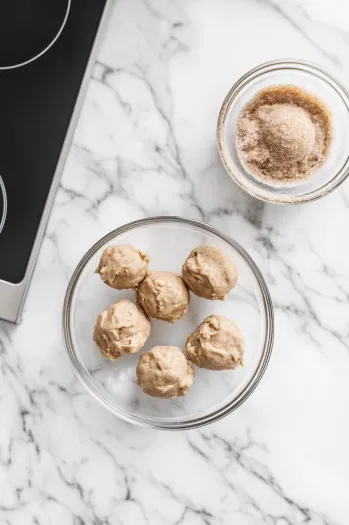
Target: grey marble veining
<point>145,145</point>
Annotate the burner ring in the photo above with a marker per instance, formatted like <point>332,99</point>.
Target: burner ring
<point>43,51</point>
<point>3,201</point>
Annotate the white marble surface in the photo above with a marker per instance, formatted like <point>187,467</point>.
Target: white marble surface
<point>145,145</point>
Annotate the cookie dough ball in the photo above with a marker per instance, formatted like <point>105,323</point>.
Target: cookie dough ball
<point>217,344</point>
<point>163,295</point>
<point>164,371</point>
<point>121,329</point>
<point>209,273</point>
<point>123,266</point>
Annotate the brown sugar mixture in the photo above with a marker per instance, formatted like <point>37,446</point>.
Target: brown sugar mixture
<point>284,134</point>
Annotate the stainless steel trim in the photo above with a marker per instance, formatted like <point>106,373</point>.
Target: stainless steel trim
<point>12,296</point>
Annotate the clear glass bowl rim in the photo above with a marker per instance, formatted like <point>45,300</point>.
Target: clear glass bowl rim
<point>145,421</point>
<point>243,81</point>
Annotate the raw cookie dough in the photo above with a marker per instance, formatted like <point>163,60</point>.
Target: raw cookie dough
<point>123,266</point>
<point>217,344</point>
<point>164,371</point>
<point>209,273</point>
<point>121,329</point>
<point>163,295</point>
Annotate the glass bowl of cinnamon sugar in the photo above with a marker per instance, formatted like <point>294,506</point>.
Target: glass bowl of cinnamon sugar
<point>283,132</point>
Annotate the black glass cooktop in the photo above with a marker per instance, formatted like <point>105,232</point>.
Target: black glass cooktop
<point>36,105</point>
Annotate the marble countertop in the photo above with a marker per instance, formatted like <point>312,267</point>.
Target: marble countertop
<point>145,145</point>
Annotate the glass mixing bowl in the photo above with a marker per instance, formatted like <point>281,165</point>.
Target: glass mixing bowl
<point>168,241</point>
<point>312,78</point>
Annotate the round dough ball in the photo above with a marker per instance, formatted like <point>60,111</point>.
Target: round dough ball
<point>217,344</point>
<point>164,371</point>
<point>163,295</point>
<point>209,273</point>
<point>123,266</point>
<point>121,329</point>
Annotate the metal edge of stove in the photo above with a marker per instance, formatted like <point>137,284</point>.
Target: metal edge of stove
<point>12,296</point>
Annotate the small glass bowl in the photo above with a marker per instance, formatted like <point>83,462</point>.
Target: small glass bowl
<point>312,78</point>
<point>168,241</point>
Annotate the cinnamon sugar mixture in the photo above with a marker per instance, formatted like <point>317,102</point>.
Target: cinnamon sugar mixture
<point>284,134</point>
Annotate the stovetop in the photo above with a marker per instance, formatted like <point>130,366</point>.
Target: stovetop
<point>36,105</point>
